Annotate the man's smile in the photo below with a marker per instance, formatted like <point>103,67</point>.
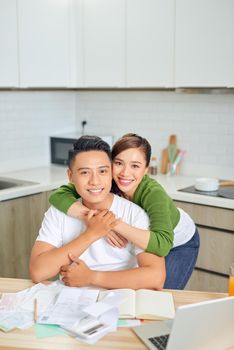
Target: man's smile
<point>95,191</point>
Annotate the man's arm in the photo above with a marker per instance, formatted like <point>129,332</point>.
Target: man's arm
<point>150,274</point>
<point>46,259</point>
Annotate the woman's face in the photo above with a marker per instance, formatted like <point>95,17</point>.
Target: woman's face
<point>129,167</point>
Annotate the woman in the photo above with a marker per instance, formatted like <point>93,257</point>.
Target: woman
<point>172,232</point>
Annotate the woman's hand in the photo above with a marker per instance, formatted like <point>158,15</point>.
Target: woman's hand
<point>101,223</point>
<point>116,240</point>
<point>78,210</point>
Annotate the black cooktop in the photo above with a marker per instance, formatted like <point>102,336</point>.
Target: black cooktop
<point>224,192</point>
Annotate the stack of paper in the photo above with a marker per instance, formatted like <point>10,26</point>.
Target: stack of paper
<point>86,313</point>
<point>17,309</point>
<point>74,309</point>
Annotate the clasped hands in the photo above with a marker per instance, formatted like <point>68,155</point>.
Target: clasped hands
<point>100,222</point>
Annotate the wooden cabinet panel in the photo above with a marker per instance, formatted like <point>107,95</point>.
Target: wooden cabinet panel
<point>204,281</point>
<point>20,222</point>
<point>216,246</point>
<point>216,250</point>
<point>209,216</point>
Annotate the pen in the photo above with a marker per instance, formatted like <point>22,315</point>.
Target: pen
<point>35,310</point>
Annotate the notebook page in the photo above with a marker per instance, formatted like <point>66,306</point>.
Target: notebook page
<point>152,304</point>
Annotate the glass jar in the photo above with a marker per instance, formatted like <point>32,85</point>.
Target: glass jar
<point>231,280</point>
<point>153,169</point>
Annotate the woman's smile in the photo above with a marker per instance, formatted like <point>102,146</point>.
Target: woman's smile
<point>124,182</point>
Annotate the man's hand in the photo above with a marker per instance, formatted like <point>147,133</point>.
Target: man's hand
<point>100,224</point>
<point>116,240</point>
<point>76,274</point>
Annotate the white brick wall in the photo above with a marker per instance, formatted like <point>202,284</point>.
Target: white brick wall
<point>27,119</point>
<point>203,123</point>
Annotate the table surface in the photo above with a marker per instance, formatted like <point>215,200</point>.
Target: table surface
<point>124,338</point>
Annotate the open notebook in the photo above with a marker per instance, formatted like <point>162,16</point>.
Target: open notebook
<point>144,304</point>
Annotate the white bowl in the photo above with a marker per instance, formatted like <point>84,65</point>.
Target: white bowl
<point>206,184</point>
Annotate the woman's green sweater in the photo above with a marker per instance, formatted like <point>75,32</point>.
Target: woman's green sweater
<point>149,195</point>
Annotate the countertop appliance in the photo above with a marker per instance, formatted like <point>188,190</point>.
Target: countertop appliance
<point>225,192</point>
<point>60,145</point>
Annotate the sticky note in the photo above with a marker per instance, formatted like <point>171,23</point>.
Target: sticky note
<point>48,330</point>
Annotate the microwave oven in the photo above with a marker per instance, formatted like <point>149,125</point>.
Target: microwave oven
<point>60,145</point>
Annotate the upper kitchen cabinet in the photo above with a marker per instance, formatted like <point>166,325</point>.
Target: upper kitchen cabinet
<point>77,44</point>
<point>44,43</point>
<point>231,45</point>
<point>8,44</point>
<point>202,43</point>
<point>150,43</point>
<point>104,43</point>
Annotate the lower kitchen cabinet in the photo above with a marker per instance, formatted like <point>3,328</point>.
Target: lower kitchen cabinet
<point>20,222</point>
<point>216,228</point>
<point>206,281</point>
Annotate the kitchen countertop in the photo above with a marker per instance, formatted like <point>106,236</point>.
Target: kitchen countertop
<point>51,177</point>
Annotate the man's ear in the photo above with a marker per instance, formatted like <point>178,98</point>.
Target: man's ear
<point>69,174</point>
<point>146,170</point>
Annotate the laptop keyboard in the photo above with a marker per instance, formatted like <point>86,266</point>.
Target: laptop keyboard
<point>160,342</point>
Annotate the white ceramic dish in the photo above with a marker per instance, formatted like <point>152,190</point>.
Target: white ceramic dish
<point>206,184</point>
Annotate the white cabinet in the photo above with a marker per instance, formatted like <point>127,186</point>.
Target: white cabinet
<point>104,43</point>
<point>231,45</point>
<point>44,43</point>
<point>202,43</point>
<point>116,43</point>
<point>150,43</point>
<point>8,44</point>
<point>77,44</point>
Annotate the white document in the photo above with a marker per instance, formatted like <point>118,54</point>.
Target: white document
<point>99,319</point>
<point>16,309</point>
<point>69,306</point>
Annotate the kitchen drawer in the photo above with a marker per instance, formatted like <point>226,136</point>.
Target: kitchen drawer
<point>209,216</point>
<point>204,281</point>
<point>216,250</point>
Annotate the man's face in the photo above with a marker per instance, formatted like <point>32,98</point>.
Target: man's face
<point>91,175</point>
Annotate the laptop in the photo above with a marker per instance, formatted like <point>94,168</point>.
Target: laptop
<point>207,325</point>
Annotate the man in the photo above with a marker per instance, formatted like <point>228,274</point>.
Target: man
<point>62,239</point>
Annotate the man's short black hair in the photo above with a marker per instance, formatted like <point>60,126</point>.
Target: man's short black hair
<point>88,143</point>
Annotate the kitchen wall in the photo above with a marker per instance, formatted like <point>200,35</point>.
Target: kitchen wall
<point>27,119</point>
<point>204,124</point>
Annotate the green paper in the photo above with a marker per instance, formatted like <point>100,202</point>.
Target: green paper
<point>47,330</point>
<point>121,323</point>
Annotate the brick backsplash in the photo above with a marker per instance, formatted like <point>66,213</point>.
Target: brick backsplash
<point>27,119</point>
<point>203,123</point>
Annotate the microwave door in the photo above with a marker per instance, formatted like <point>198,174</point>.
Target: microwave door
<point>60,152</point>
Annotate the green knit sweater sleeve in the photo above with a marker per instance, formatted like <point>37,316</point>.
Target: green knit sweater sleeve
<point>64,197</point>
<point>162,212</point>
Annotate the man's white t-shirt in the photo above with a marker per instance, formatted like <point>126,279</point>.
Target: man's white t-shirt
<point>58,229</point>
